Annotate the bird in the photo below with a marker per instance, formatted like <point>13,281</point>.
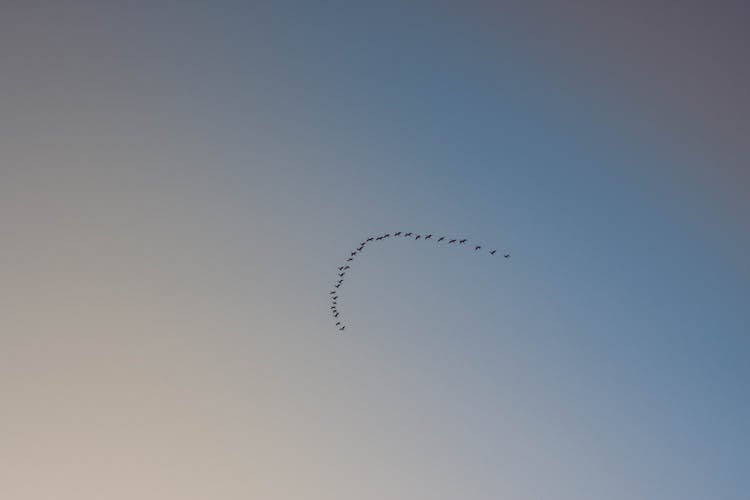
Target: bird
<point>417,236</point>
<point>338,285</point>
<point>397,234</point>
<point>492,252</point>
<point>462,241</point>
<point>387,235</point>
<point>452,241</point>
<point>333,307</point>
<point>477,247</point>
<point>336,315</point>
<point>408,234</point>
<point>341,268</point>
<point>333,292</point>
<point>441,238</point>
<point>428,237</point>
<point>378,238</point>
<point>338,323</point>
<point>335,297</point>
<point>507,255</point>
<point>346,267</point>
<point>341,274</point>
<point>354,253</point>
<point>349,259</point>
<point>342,328</point>
<point>370,238</point>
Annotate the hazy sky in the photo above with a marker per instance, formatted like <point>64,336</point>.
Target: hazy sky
<point>179,181</point>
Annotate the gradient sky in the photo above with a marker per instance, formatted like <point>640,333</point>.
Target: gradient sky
<point>179,181</point>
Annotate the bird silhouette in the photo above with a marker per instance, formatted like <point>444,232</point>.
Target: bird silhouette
<point>428,237</point>
<point>333,292</point>
<point>462,241</point>
<point>346,267</point>
<point>507,255</point>
<point>477,247</point>
<point>335,297</point>
<point>341,268</point>
<point>452,241</point>
<point>441,238</point>
<point>417,236</point>
<point>387,235</point>
<point>397,234</point>
<point>341,274</point>
<point>342,328</point>
<point>354,253</point>
<point>408,234</point>
<point>349,259</point>
<point>338,285</point>
<point>338,323</point>
<point>370,238</point>
<point>492,252</point>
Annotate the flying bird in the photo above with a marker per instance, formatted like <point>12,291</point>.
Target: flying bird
<point>341,274</point>
<point>477,247</point>
<point>370,238</point>
<point>346,267</point>
<point>338,323</point>
<point>342,328</point>
<point>417,236</point>
<point>397,234</point>
<point>428,237</point>
<point>462,241</point>
<point>333,292</point>
<point>441,238</point>
<point>507,255</point>
<point>452,241</point>
<point>408,234</point>
<point>387,235</point>
<point>349,259</point>
<point>492,252</point>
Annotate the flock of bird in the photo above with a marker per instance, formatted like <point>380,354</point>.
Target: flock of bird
<point>400,234</point>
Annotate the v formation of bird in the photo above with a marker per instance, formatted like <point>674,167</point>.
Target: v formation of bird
<point>343,269</point>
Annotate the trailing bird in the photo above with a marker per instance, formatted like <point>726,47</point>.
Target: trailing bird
<point>492,252</point>
<point>507,255</point>
<point>349,259</point>
<point>341,268</point>
<point>338,285</point>
<point>387,235</point>
<point>378,238</point>
<point>338,323</point>
<point>408,234</point>
<point>335,297</point>
<point>341,274</point>
<point>354,253</point>
<point>417,236</point>
<point>462,241</point>
<point>336,315</point>
<point>333,292</point>
<point>428,237</point>
<point>370,238</point>
<point>346,267</point>
<point>452,241</point>
<point>342,328</point>
<point>477,247</point>
<point>441,238</point>
<point>397,234</point>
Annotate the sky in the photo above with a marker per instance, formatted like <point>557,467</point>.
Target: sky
<point>180,180</point>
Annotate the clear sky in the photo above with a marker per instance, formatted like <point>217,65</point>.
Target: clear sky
<point>179,181</point>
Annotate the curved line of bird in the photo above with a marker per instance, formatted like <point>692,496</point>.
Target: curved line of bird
<point>334,294</point>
